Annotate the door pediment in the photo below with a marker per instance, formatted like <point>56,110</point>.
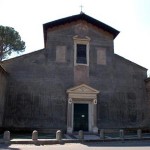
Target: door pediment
<point>83,88</point>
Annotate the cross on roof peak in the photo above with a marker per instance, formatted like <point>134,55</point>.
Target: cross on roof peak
<point>81,9</point>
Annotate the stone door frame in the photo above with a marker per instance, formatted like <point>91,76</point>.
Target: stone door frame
<point>86,95</point>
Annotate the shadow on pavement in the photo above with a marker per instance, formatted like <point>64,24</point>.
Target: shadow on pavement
<point>6,147</point>
<point>138,143</point>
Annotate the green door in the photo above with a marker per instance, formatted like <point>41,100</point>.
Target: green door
<point>80,117</point>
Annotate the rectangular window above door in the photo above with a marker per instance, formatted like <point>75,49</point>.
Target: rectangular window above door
<point>81,54</point>
<point>81,51</point>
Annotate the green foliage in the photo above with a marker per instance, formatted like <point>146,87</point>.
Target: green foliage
<point>10,41</point>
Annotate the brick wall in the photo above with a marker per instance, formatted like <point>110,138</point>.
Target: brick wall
<point>36,95</point>
<point>2,93</point>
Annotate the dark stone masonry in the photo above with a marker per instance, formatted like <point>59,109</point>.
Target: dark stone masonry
<point>33,87</point>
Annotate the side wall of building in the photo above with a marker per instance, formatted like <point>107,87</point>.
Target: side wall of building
<point>125,106</point>
<point>36,96</point>
<point>147,121</point>
<point>3,83</point>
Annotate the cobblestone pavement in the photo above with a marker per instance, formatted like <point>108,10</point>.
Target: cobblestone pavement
<point>127,145</point>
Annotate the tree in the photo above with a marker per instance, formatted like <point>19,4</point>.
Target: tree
<point>10,41</point>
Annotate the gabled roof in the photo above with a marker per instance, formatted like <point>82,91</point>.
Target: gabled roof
<point>80,16</point>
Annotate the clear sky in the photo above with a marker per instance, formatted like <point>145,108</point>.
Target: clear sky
<point>130,17</point>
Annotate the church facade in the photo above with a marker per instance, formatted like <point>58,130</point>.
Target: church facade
<point>76,82</point>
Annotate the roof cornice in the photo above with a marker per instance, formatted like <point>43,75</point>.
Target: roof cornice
<point>81,16</point>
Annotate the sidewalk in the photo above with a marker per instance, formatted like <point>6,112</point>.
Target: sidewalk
<point>74,138</point>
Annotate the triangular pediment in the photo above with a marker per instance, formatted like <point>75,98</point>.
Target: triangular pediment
<point>83,88</point>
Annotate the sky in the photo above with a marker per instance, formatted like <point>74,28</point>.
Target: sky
<point>130,17</point>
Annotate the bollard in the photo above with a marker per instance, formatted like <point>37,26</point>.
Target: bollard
<point>6,136</point>
<point>81,135</point>
<point>35,135</point>
<point>139,133</point>
<point>102,134</point>
<point>59,135</point>
<point>122,134</point>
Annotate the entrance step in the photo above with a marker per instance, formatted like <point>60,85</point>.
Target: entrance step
<point>86,136</point>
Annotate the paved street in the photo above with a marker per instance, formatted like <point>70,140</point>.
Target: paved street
<point>127,145</point>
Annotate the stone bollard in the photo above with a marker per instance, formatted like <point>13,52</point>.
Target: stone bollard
<point>102,134</point>
<point>59,135</point>
<point>6,136</point>
<point>122,134</point>
<point>35,135</point>
<point>81,135</point>
<point>139,133</point>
